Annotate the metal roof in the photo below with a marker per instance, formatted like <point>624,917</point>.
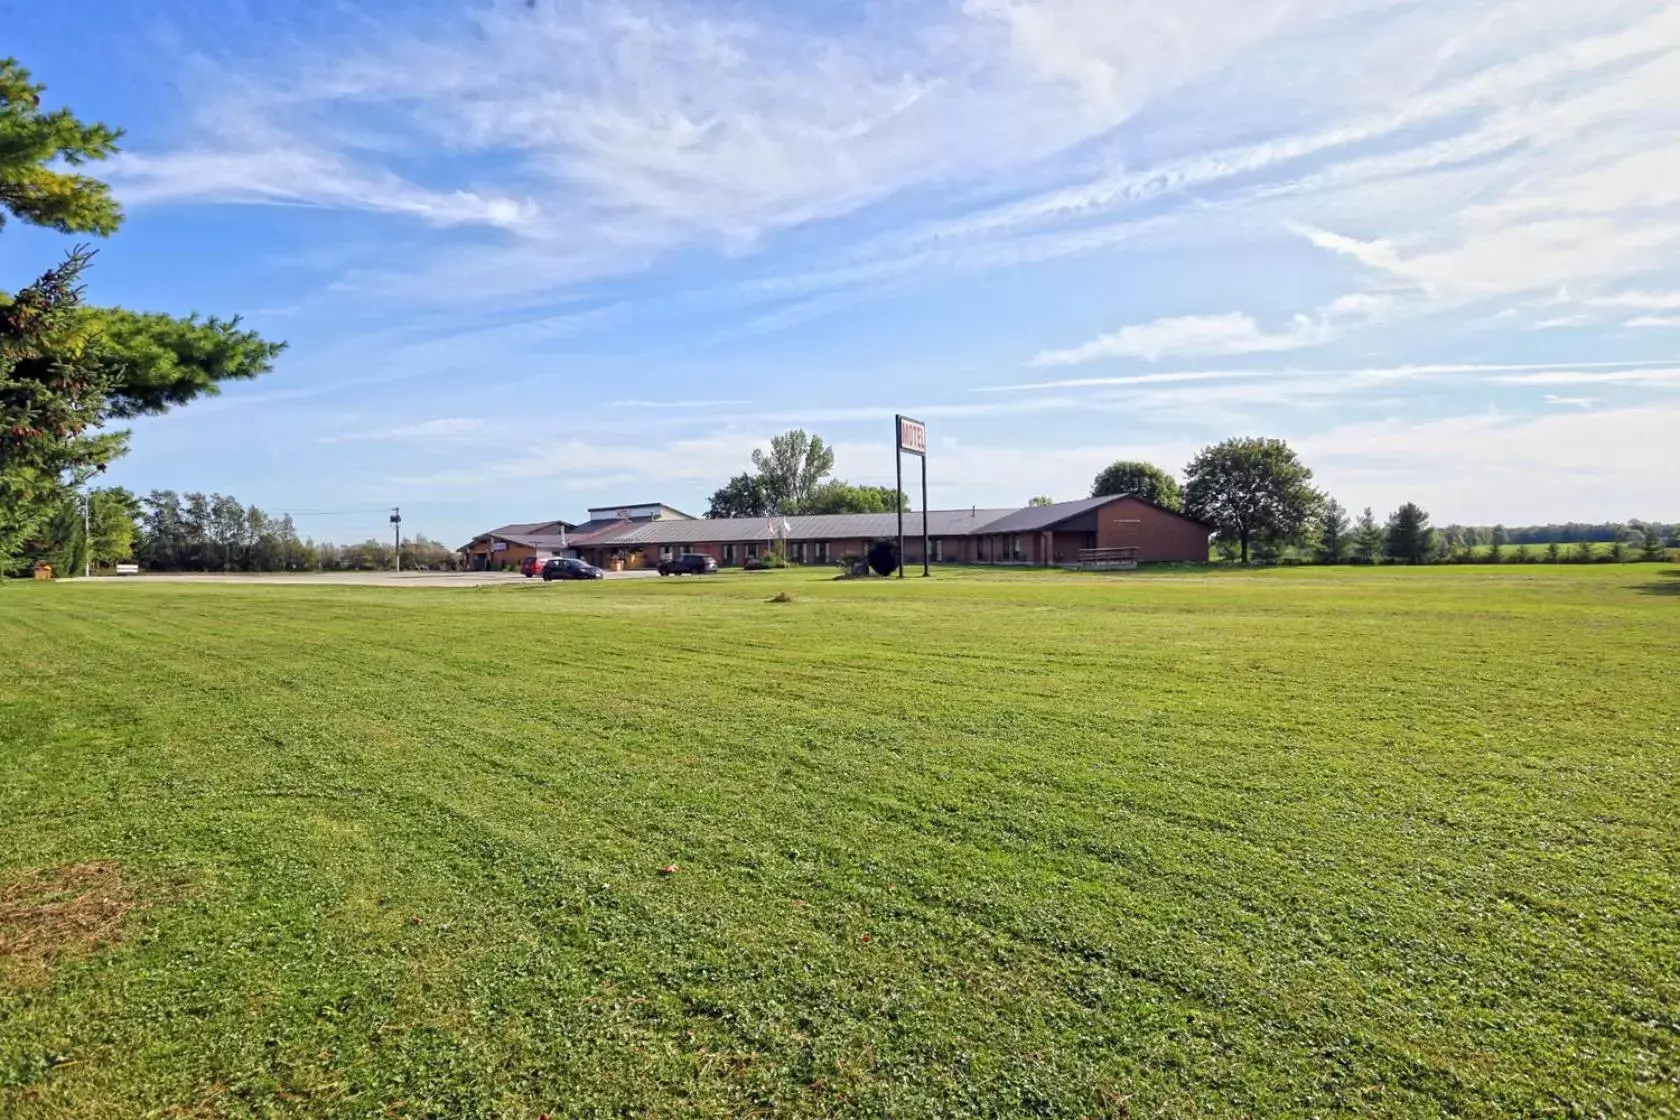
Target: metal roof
<point>524,529</point>
<point>1035,519</point>
<point>538,540</point>
<point>602,532</point>
<point>599,527</point>
<point>837,526</point>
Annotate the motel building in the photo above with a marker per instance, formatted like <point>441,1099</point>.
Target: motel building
<point>1118,530</point>
<point>502,550</point>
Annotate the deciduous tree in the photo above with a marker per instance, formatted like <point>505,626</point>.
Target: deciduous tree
<point>835,496</point>
<point>791,469</point>
<point>1141,480</point>
<point>1251,489</point>
<point>741,496</point>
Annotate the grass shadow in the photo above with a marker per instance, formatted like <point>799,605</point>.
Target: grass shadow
<point>1669,586</point>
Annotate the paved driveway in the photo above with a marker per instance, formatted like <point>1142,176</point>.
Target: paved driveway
<point>348,579</point>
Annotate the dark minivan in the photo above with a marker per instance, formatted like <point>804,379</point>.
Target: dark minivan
<point>688,564</point>
<point>570,569</point>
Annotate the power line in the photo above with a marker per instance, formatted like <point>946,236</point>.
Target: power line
<point>338,512</point>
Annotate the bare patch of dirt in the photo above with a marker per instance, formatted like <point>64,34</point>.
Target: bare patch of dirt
<point>52,912</point>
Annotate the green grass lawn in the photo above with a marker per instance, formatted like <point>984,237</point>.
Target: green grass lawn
<point>1294,842</point>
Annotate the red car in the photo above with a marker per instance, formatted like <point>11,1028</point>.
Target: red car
<point>531,566</point>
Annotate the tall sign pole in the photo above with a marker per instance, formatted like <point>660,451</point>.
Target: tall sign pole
<point>898,465</point>
<point>912,437</point>
<point>396,534</point>
<point>926,555</point>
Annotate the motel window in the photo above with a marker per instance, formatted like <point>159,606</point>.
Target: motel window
<point>1015,546</point>
<point>819,552</point>
<point>752,552</point>
<point>938,547</point>
<point>664,552</point>
<point>798,552</point>
<point>729,554</point>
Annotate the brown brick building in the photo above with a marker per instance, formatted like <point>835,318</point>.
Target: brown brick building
<point>503,549</point>
<point>1065,533</point>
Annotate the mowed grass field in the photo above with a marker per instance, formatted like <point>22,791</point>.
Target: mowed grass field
<point>1297,842</point>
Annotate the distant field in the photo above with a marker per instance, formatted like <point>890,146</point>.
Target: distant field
<point>1294,842</point>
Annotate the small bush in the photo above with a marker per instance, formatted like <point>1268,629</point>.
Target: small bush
<point>781,597</point>
<point>883,558</point>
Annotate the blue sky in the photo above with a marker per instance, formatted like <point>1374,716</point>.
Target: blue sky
<point>537,256</point>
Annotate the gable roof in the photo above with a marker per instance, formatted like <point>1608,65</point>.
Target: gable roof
<point>612,532</point>
<point>1034,519</point>
<point>519,533</point>
<point>550,541</point>
<point>527,528</point>
<point>834,526</point>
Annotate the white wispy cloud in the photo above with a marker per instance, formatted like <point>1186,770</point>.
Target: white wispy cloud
<point>635,123</point>
<point>1654,321</point>
<point>1648,378</point>
<point>1363,374</point>
<point>1484,465</point>
<point>695,404</point>
<point>1459,147</point>
<point>1233,333</point>
<point>1230,333</point>
<point>442,429</point>
<point>1635,300</point>
<point>292,175</point>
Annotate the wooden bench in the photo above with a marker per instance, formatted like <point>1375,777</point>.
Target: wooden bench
<point>1100,559</point>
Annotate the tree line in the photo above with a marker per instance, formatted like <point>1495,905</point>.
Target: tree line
<point>170,532</point>
<point>1258,496</point>
<point>1255,492</point>
<point>215,533</point>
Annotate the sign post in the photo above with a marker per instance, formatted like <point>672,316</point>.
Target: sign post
<point>912,438</point>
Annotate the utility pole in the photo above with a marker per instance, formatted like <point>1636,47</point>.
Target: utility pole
<point>396,531</point>
<point>87,533</point>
